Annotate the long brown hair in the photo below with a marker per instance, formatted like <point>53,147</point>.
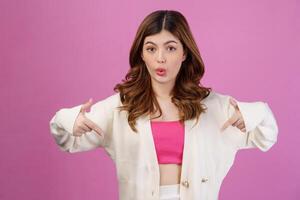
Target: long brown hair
<point>136,93</point>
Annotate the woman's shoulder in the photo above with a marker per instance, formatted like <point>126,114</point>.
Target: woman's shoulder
<point>115,97</point>
<point>215,96</point>
<point>216,102</point>
<point>110,101</point>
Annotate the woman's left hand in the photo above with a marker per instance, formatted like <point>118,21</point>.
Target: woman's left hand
<point>236,119</point>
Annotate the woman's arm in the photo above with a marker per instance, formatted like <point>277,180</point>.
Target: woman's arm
<point>61,126</point>
<point>260,123</point>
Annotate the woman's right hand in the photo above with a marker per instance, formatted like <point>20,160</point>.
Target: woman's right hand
<point>83,124</point>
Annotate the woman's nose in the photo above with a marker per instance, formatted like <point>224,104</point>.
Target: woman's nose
<point>161,57</point>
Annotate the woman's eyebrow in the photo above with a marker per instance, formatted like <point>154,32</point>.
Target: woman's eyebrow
<point>149,42</point>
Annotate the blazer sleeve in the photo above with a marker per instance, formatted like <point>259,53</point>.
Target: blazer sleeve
<point>61,126</point>
<point>260,123</point>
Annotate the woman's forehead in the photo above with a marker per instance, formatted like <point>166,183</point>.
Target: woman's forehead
<point>161,38</point>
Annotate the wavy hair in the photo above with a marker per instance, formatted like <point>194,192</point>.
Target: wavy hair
<point>136,93</point>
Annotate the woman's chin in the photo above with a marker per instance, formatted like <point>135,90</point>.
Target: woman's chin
<point>162,80</point>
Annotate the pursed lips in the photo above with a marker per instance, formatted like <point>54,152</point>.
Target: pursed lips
<point>160,71</point>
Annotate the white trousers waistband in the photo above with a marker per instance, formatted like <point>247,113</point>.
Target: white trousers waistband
<point>169,192</point>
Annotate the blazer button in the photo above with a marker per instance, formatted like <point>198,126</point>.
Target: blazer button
<point>204,180</point>
<point>185,183</point>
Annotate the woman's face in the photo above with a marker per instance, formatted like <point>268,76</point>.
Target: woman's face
<point>163,50</point>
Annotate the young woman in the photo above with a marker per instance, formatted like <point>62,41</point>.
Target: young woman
<point>170,137</point>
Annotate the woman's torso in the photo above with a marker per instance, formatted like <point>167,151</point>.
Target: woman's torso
<point>169,173</point>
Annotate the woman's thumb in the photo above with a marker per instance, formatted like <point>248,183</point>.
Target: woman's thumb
<point>87,105</point>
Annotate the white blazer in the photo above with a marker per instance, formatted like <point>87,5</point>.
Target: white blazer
<point>208,153</point>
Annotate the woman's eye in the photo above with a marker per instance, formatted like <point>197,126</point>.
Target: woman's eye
<point>150,48</point>
<point>172,48</point>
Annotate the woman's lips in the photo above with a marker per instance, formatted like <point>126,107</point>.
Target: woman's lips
<point>160,71</point>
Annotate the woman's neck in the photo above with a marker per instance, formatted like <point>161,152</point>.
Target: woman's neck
<point>163,91</point>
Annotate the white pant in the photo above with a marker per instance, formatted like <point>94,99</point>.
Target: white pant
<point>169,192</point>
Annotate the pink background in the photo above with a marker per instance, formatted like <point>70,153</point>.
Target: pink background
<point>56,54</point>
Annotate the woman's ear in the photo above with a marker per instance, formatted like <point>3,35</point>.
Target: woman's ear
<point>142,56</point>
<point>184,56</point>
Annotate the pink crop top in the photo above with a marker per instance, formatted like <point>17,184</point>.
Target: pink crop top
<point>169,140</point>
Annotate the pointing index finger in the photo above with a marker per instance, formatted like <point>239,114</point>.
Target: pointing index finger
<point>94,127</point>
<point>229,122</point>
